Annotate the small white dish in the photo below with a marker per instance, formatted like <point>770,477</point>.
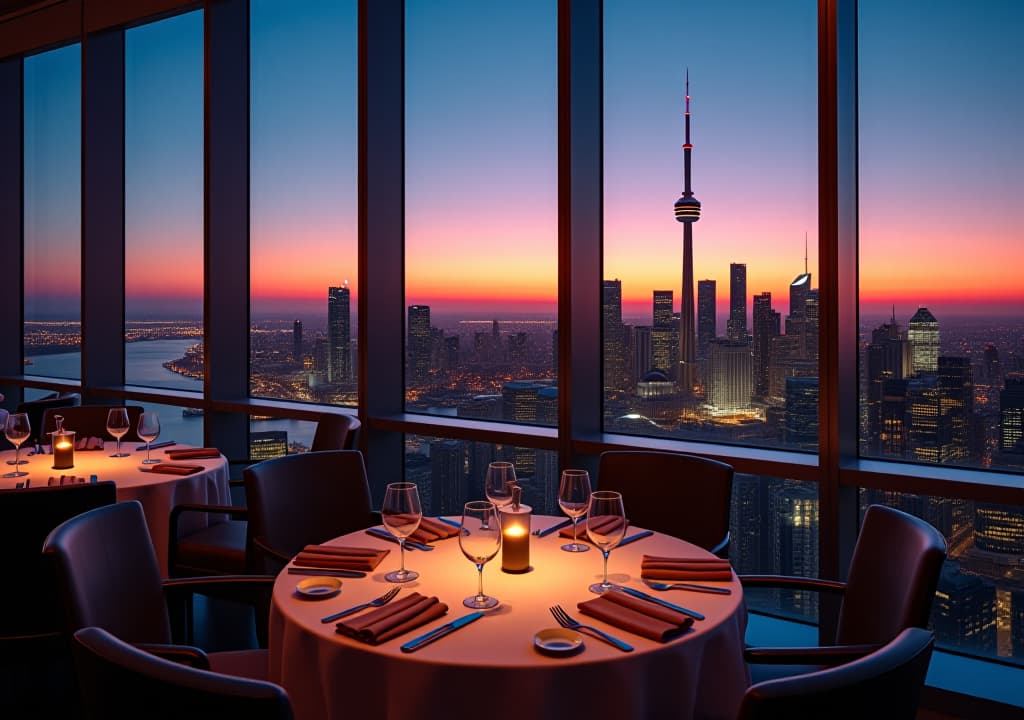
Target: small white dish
<point>558,642</point>
<point>318,587</point>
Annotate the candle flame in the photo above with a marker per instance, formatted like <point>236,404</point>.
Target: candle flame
<point>515,531</point>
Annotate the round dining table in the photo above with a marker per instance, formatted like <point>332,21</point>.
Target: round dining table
<point>490,669</point>
<point>158,492</point>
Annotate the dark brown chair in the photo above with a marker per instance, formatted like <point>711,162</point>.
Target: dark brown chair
<point>336,432</point>
<point>685,496</point>
<point>886,683</point>
<point>891,585</point>
<point>108,576</point>
<point>119,680</point>
<point>36,408</point>
<point>36,676</point>
<point>91,421</point>
<point>302,499</point>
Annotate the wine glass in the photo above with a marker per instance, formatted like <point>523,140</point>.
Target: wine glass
<point>606,526</point>
<point>17,429</point>
<point>118,426</point>
<point>149,430</point>
<point>480,541</point>
<point>498,483</point>
<point>574,498</point>
<point>402,514</point>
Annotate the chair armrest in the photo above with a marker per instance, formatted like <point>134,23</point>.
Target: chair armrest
<point>274,554</point>
<point>793,582</point>
<point>722,548</point>
<point>827,655</point>
<point>181,654</point>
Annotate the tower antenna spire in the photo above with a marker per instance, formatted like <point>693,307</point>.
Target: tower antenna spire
<point>805,252</point>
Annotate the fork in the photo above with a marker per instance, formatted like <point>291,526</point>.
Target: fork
<point>687,586</point>
<point>376,602</point>
<point>566,621</point>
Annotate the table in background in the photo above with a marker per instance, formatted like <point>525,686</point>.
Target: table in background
<point>489,670</point>
<point>157,492</point>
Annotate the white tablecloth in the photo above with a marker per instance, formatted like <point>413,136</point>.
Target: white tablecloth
<point>157,492</point>
<point>490,669</point>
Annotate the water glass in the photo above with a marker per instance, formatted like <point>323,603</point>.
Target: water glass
<point>574,499</point>
<point>606,526</point>
<point>402,514</point>
<point>480,541</point>
<point>118,426</point>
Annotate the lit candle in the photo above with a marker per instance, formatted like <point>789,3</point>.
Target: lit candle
<point>63,450</point>
<point>515,537</point>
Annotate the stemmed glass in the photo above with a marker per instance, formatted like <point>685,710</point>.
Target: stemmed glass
<point>480,542</point>
<point>118,426</point>
<point>17,429</point>
<point>606,526</point>
<point>149,430</point>
<point>574,498</point>
<point>498,483</point>
<point>402,514</point>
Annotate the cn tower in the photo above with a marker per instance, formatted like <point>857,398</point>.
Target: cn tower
<point>687,210</point>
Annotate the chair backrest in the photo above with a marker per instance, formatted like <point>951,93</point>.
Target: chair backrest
<point>306,498</point>
<point>335,432</point>
<point>30,605</point>
<point>894,571</point>
<point>118,680</point>
<point>108,575</point>
<point>681,495</point>
<point>886,683</point>
<point>91,421</point>
<point>36,408</point>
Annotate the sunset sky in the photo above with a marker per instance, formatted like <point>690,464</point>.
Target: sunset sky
<point>941,156</point>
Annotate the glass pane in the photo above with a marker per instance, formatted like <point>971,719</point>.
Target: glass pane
<point>711,308</point>
<point>481,254</point>
<point>182,425</point>
<point>979,606</point>
<point>272,437</point>
<point>163,201</point>
<point>941,328</point>
<point>303,215</point>
<point>52,206</point>
<point>449,473</point>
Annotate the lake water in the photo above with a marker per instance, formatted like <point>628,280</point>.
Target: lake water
<point>144,366</point>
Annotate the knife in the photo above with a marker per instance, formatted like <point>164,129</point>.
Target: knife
<point>440,631</point>
<point>637,536</point>
<point>329,572</point>
<point>382,533</point>
<point>553,528</point>
<point>154,446</point>
<point>664,603</point>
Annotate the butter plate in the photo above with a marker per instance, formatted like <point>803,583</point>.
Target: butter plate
<point>558,642</point>
<point>318,587</point>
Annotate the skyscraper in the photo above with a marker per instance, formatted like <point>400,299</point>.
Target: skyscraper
<point>923,335</point>
<point>613,345</point>
<point>707,322</point>
<point>339,335</point>
<point>297,340</point>
<point>662,308</point>
<point>687,211</point>
<point>736,327</point>
<point>729,370</point>
<point>664,337</point>
<point>418,343</point>
<point>766,326</point>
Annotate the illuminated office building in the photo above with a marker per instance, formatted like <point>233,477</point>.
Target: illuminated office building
<point>418,342</point>
<point>728,385</point>
<point>613,342</point>
<point>923,336</point>
<point>339,335</point>
<point>736,326</point>
<point>766,326</point>
<point>707,318</point>
<point>266,444</point>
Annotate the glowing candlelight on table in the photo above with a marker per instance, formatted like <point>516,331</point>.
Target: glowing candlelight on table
<point>515,535</point>
<point>63,446</point>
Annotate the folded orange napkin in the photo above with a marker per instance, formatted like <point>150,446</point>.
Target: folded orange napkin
<point>602,523</point>
<point>431,529</point>
<point>193,453</point>
<point>637,615</point>
<point>65,480</point>
<point>393,619</point>
<point>653,567</point>
<point>89,443</point>
<point>175,469</point>
<point>342,558</point>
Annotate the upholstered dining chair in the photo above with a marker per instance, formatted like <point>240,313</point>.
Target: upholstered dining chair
<point>335,432</point>
<point>885,683</point>
<point>891,583</point>
<point>291,501</point>
<point>108,576</point>
<point>120,680</point>
<point>36,677</point>
<point>686,496</point>
<point>35,409</point>
<point>91,421</point>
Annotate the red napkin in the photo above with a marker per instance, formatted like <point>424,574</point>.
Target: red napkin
<point>637,615</point>
<point>65,480</point>
<point>602,524</point>
<point>431,529</point>
<point>653,567</point>
<point>342,558</point>
<point>193,453</point>
<point>175,469</point>
<point>393,619</point>
<point>89,443</point>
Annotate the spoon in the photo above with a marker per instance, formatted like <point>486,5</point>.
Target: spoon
<point>687,586</point>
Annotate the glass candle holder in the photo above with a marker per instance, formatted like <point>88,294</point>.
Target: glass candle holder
<point>515,538</point>
<point>63,448</point>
